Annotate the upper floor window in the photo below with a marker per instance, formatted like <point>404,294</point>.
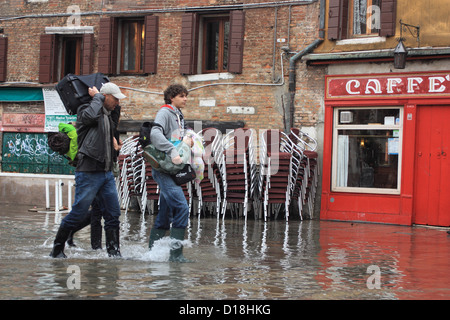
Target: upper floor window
<point>216,34</point>
<point>128,45</point>
<point>212,43</point>
<point>132,46</point>
<point>357,18</point>
<point>70,56</point>
<point>365,17</point>
<point>61,54</point>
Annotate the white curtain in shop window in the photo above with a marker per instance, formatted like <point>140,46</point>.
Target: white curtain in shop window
<point>342,161</point>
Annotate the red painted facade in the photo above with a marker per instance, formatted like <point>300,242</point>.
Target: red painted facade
<point>416,94</point>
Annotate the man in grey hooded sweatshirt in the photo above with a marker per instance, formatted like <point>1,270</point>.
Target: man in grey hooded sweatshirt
<point>173,211</point>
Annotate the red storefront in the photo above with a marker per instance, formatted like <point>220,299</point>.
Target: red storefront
<point>386,148</point>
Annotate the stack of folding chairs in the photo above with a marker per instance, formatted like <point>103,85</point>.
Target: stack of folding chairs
<point>130,175</point>
<point>306,184</point>
<point>286,178</point>
<point>209,190</point>
<point>276,171</point>
<point>135,178</point>
<point>238,170</point>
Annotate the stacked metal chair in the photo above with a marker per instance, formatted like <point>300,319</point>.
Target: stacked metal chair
<point>129,162</point>
<point>280,164</point>
<point>306,183</point>
<point>209,190</point>
<point>237,170</point>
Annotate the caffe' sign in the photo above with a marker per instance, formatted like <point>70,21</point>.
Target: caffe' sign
<point>388,85</point>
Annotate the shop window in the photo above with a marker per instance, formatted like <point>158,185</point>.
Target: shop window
<point>212,43</point>
<point>367,150</point>
<point>128,46</point>
<point>356,18</point>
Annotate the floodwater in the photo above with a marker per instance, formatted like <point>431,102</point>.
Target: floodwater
<point>234,259</point>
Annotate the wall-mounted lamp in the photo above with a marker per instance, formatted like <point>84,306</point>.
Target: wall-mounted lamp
<point>400,51</point>
<point>400,54</point>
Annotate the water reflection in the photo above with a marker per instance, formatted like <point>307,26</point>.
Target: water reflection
<point>233,259</point>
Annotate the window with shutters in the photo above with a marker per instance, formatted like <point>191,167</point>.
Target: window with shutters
<point>63,54</point>
<point>212,43</point>
<point>128,45</point>
<point>361,18</point>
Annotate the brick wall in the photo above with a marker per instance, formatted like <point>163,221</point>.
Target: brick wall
<point>261,62</point>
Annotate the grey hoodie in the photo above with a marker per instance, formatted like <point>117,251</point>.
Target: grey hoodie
<point>160,137</point>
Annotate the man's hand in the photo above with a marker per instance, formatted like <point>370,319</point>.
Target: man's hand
<point>93,91</point>
<point>177,160</point>
<point>117,145</point>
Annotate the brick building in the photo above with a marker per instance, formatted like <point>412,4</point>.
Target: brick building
<point>239,59</point>
<point>174,48</point>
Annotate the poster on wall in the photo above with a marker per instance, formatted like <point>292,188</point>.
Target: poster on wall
<point>55,112</point>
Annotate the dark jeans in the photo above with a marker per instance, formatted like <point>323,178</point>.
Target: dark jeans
<point>88,186</point>
<point>173,206</point>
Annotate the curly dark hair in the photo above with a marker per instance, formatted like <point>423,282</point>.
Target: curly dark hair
<point>172,91</point>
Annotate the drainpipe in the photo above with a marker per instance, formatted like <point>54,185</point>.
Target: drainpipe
<point>299,55</point>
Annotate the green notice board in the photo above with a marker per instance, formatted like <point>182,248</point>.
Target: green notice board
<point>30,153</point>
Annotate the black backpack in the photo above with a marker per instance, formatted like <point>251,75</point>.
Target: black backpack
<point>144,133</point>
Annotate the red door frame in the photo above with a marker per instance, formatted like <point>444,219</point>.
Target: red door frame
<point>379,208</point>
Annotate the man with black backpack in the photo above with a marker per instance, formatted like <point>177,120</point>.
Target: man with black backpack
<point>93,177</point>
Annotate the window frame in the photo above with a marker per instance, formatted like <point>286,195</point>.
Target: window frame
<point>139,45</point>
<point>338,19</point>
<point>351,24</point>
<point>337,126</point>
<point>61,63</point>
<point>222,19</point>
<point>109,45</point>
<point>192,45</point>
<point>51,55</point>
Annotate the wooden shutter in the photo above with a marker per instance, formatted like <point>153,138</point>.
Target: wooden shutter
<point>151,44</point>
<point>107,46</point>
<point>337,19</point>
<point>188,57</point>
<point>3,57</point>
<point>47,58</point>
<point>87,54</point>
<point>388,17</point>
<point>236,47</point>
